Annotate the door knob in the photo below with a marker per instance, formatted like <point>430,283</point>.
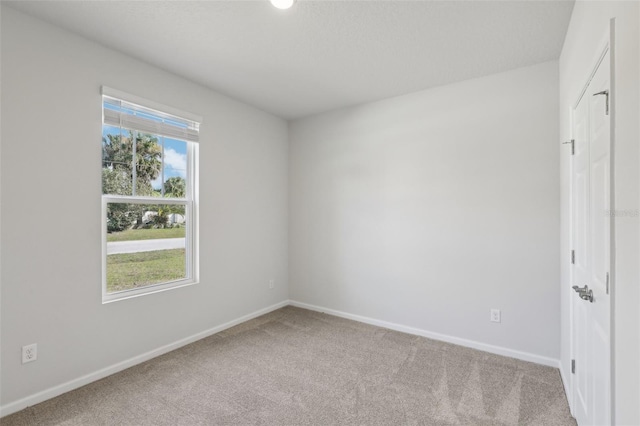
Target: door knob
<point>584,292</point>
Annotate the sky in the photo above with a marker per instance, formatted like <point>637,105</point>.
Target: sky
<point>175,155</point>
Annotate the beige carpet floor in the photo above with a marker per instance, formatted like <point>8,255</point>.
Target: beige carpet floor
<point>297,367</point>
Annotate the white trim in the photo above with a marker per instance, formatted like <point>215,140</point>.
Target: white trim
<point>143,291</point>
<point>498,350</point>
<point>52,392</point>
<point>613,112</point>
<point>118,94</point>
<point>567,288</point>
<point>193,173</point>
<point>565,383</point>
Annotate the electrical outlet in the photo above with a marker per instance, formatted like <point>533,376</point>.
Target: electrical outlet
<point>272,283</point>
<point>29,353</point>
<point>495,315</point>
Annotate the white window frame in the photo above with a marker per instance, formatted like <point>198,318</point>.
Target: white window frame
<point>190,202</point>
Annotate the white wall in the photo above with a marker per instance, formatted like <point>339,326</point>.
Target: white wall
<point>589,24</point>
<point>429,209</point>
<point>51,279</point>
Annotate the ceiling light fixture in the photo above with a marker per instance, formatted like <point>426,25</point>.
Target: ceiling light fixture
<point>282,4</point>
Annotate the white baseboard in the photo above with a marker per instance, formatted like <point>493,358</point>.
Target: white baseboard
<point>498,350</point>
<point>46,394</point>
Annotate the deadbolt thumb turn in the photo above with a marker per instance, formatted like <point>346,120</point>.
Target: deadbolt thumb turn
<point>584,293</point>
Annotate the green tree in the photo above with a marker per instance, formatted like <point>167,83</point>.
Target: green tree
<point>120,217</point>
<point>175,187</point>
<point>117,157</point>
<point>115,182</point>
<point>161,219</point>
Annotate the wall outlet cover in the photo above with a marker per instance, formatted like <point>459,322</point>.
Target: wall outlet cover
<point>29,353</point>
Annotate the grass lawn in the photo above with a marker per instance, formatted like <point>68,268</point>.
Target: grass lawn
<point>146,234</point>
<point>131,270</point>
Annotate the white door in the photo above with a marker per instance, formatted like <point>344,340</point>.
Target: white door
<point>591,221</point>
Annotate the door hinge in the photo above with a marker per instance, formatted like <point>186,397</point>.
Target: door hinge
<point>573,366</point>
<point>607,283</point>
<point>573,145</point>
<point>606,93</point>
<point>573,257</point>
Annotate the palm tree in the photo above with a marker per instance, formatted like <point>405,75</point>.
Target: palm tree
<point>175,187</point>
<point>117,156</point>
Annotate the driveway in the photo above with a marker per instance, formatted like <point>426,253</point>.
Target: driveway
<point>144,245</point>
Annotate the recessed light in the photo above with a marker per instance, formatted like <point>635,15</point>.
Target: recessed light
<point>282,4</point>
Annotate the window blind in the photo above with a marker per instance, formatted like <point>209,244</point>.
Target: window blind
<point>122,113</point>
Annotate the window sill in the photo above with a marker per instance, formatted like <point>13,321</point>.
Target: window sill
<point>157,288</point>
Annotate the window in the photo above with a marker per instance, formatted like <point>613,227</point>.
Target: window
<point>149,194</point>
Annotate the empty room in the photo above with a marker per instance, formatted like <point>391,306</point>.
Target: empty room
<point>306,212</point>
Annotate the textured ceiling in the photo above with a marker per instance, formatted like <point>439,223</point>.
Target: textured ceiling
<point>320,55</point>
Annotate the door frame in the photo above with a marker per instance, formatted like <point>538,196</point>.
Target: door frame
<point>607,44</point>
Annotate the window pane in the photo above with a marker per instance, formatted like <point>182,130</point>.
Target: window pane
<point>148,162</point>
<point>118,174</point>
<point>145,245</point>
<point>175,168</point>
<point>117,155</point>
